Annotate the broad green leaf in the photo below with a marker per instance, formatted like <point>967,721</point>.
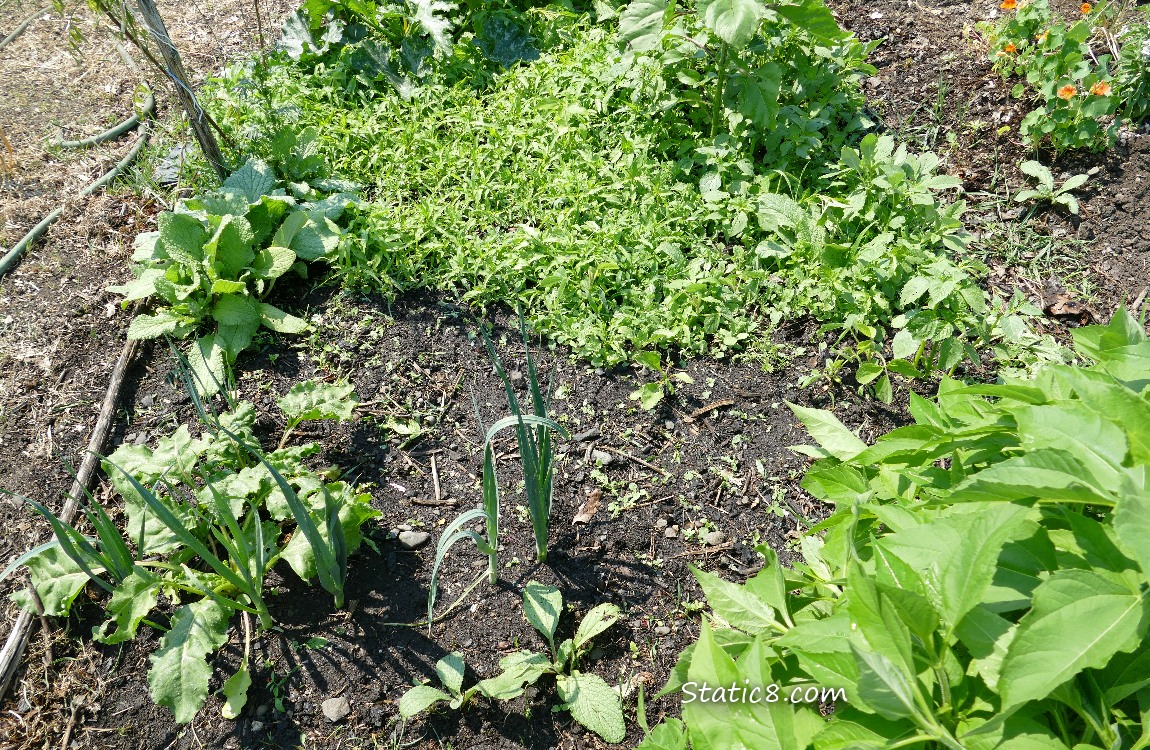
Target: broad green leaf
<point>815,18</point>
<point>1045,474</point>
<point>831,434</point>
<point>163,322</point>
<point>757,95</point>
<point>233,339</point>
<point>957,555</point>
<point>518,669</point>
<point>1132,522</point>
<point>1077,429</point>
<point>230,248</point>
<point>289,228</point>
<point>57,580</point>
<point>905,345</point>
<point>641,24</point>
<point>315,239</point>
<point>986,636</point>
<point>311,400</point>
<point>542,606</point>
<point>273,262</point>
<point>253,180</point>
<point>223,286</point>
<point>298,552</point>
<point>131,602</point>
<point>1079,619</point>
<point>236,310</point>
<point>450,671</point>
<point>737,605</point>
<point>140,288</point>
<point>853,729</point>
<point>280,321</point>
<point>207,364</point>
<point>648,396</point>
<point>876,621</point>
<point>888,689</point>
<point>181,237</point>
<point>670,735</point>
<point>594,704</point>
<point>595,622</point>
<point>180,673</point>
<point>420,698</point>
<point>913,289</point>
<point>235,692</point>
<point>1126,676</point>
<point>733,21</point>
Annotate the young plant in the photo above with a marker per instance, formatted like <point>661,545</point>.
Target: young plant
<point>533,436</point>
<point>207,518</point>
<point>591,701</point>
<point>216,257</point>
<point>1045,189</point>
<point>983,579</point>
<point>651,394</point>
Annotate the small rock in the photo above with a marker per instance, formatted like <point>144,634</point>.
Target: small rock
<point>262,710</point>
<point>671,532</point>
<point>467,643</point>
<point>586,435</point>
<point>595,654</point>
<point>403,527</point>
<point>714,538</point>
<point>602,457</point>
<point>661,523</point>
<point>257,726</point>
<point>336,709</point>
<point>662,630</point>
<point>148,401</point>
<point>413,539</point>
<point>515,376</point>
<point>600,371</point>
<point>669,424</point>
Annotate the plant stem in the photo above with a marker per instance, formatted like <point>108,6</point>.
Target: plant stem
<point>720,88</point>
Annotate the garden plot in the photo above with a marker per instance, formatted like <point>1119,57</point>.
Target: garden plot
<point>676,458</point>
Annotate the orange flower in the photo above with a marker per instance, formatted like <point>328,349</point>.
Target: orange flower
<point>1102,88</point>
<point>1067,92</point>
<point>1009,4</point>
<point>1010,48</point>
<point>1085,8</point>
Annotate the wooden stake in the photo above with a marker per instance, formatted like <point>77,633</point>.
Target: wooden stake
<point>175,70</point>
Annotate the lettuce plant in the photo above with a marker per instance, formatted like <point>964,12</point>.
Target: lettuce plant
<point>216,257</point>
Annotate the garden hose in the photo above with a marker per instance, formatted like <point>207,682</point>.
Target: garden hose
<point>18,249</point>
<point>139,119</point>
<point>22,27</point>
<point>113,132</point>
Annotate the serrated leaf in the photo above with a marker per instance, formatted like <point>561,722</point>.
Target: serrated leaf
<point>831,434</point>
<point>235,692</point>
<point>180,673</point>
<point>913,290</point>
<point>670,735</point>
<point>542,606</point>
<point>905,345</point>
<point>253,180</point>
<point>1079,619</point>
<point>594,704</point>
<point>889,690</point>
<point>737,605</point>
<point>311,400</point>
<point>420,698</point>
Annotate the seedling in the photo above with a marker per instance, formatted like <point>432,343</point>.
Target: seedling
<point>650,394</point>
<point>1045,189</point>
<point>591,701</point>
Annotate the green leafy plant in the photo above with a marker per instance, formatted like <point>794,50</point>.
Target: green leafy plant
<point>1132,67</point>
<point>533,437</point>
<point>591,701</point>
<point>649,395</point>
<point>983,580</point>
<point>1045,189</point>
<point>206,519</point>
<point>214,260</point>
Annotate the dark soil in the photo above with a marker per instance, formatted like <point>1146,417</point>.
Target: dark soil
<point>726,469</point>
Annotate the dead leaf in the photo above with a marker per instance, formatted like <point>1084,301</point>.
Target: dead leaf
<point>589,506</point>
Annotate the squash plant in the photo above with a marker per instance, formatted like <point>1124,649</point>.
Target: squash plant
<point>206,519</point>
<point>983,582</point>
<point>214,260</point>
